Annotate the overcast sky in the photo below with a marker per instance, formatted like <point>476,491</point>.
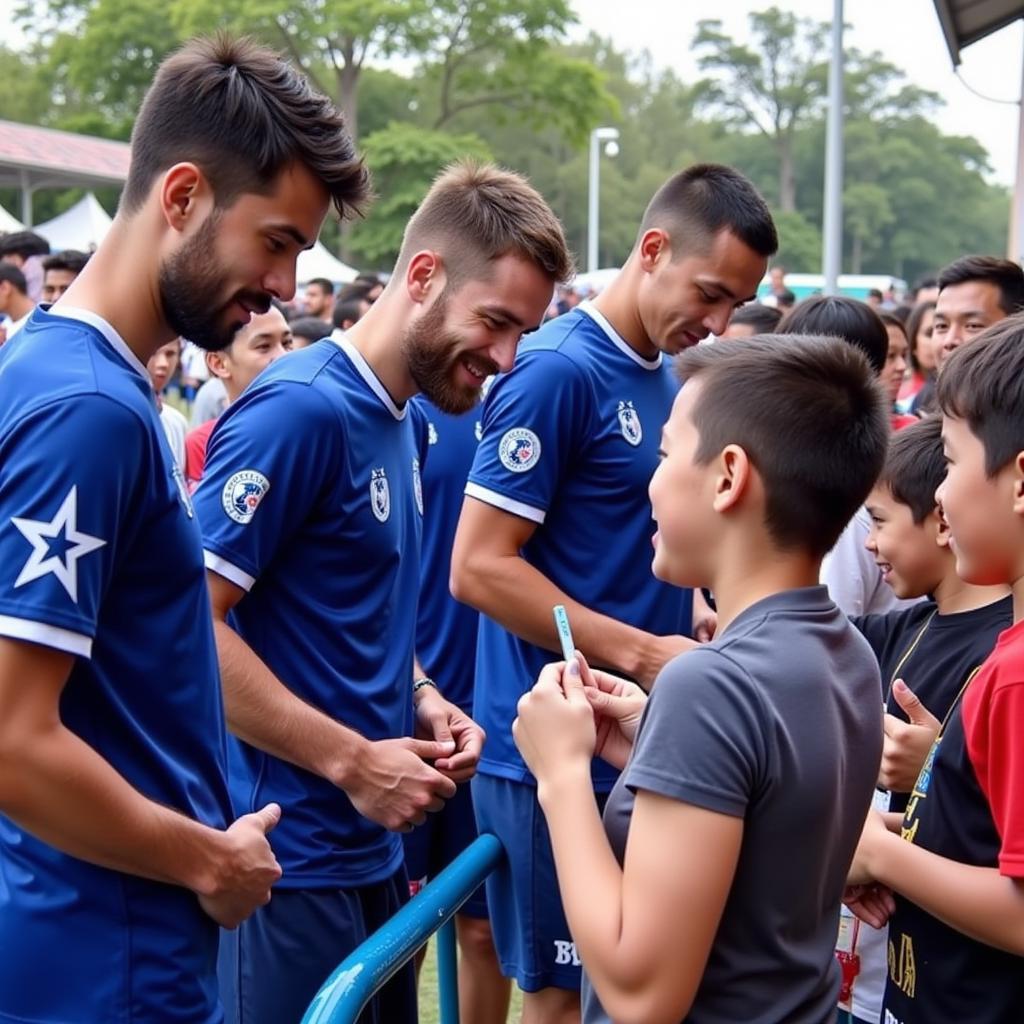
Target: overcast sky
<point>906,32</point>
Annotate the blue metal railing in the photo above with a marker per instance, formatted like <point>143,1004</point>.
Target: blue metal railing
<point>354,981</point>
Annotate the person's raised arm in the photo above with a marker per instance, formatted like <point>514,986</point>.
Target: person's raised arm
<point>60,789</point>
<point>489,573</point>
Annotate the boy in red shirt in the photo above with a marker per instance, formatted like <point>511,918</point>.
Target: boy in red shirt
<point>956,859</point>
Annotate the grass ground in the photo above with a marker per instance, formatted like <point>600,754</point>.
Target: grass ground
<point>428,992</point>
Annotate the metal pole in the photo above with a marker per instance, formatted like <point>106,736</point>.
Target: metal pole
<point>594,190</point>
<point>26,199</point>
<point>1016,250</point>
<point>833,213</point>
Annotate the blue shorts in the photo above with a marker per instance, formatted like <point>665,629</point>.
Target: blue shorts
<point>531,934</point>
<point>430,848</point>
<point>273,964</point>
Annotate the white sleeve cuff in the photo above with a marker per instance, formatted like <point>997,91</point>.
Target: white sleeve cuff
<point>222,567</point>
<point>517,508</point>
<point>49,636</point>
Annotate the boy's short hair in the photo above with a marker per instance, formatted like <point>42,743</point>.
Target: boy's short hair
<point>764,319</point>
<point>25,244</point>
<point>350,310</point>
<point>915,466</point>
<point>327,287</point>
<point>694,205</point>
<point>70,260</point>
<point>839,316</point>
<point>1006,275</point>
<point>13,276</point>
<point>311,328</point>
<point>476,213</point>
<point>982,383</point>
<point>810,416</point>
<point>242,114</point>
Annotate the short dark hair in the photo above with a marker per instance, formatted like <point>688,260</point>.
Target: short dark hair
<point>811,418</point>
<point>355,290</point>
<point>323,284</point>
<point>12,275</point>
<point>312,328</point>
<point>697,204</point>
<point>24,244</point>
<point>839,316</point>
<point>242,114</point>
<point>764,319</point>
<point>982,382</point>
<point>1006,275</point>
<point>875,293</point>
<point>68,259</point>
<point>476,213</point>
<point>348,310</point>
<point>915,466</point>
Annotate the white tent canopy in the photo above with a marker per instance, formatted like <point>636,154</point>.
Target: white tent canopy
<point>82,227</point>
<point>9,223</point>
<point>318,262</point>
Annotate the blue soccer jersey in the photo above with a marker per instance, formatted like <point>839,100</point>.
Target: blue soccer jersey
<point>570,442</point>
<point>100,557</point>
<point>311,502</point>
<point>445,628</point>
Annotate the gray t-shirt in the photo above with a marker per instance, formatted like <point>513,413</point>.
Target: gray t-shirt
<point>778,722</point>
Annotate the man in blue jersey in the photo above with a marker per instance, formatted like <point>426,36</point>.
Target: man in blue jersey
<point>557,513</point>
<point>118,855</point>
<point>311,509</point>
<point>446,650</point>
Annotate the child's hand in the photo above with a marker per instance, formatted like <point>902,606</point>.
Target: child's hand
<point>555,726</point>
<point>618,707</point>
<point>874,834</point>
<point>873,904</point>
<point>906,744</point>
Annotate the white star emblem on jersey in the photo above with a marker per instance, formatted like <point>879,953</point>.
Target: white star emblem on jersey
<point>63,565</point>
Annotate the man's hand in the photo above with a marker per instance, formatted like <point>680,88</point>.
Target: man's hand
<point>618,706</point>
<point>391,783</point>
<point>705,618</point>
<point>440,720</point>
<point>658,651</point>
<point>873,904</point>
<point>244,869</point>
<point>555,728</point>
<point>906,744</point>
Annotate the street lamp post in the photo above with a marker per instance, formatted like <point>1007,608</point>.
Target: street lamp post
<point>609,136</point>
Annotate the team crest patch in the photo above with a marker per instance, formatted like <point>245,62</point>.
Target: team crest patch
<point>380,495</point>
<point>478,431</point>
<point>431,434</point>
<point>242,495</point>
<point>519,450</point>
<point>629,421</point>
<point>186,498</point>
<point>417,485</point>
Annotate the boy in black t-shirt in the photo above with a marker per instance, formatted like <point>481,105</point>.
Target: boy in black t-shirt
<point>956,859</point>
<point>934,645</point>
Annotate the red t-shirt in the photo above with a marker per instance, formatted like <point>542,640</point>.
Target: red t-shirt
<point>195,453</point>
<point>900,420</point>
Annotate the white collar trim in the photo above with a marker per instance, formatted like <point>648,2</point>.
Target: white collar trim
<point>616,339</point>
<point>365,371</point>
<point>113,339</point>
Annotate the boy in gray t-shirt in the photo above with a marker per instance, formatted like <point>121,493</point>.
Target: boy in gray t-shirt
<point>711,891</point>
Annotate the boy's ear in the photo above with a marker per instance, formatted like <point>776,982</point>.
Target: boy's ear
<point>1018,484</point>
<point>734,477</point>
<point>937,521</point>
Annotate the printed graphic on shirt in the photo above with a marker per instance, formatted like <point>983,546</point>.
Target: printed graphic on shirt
<point>417,485</point>
<point>380,495</point>
<point>56,546</point>
<point>242,495</point>
<point>632,429</point>
<point>519,450</point>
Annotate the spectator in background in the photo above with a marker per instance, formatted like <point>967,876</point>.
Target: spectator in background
<point>974,293</point>
<point>15,305</point>
<point>160,367</point>
<point>25,249</point>
<point>926,290</point>
<point>785,301</point>
<point>266,337</point>
<point>875,299</point>
<point>371,285</point>
<point>753,318</point>
<point>319,299</point>
<point>776,285</point>
<point>193,372</point>
<point>306,330</point>
<point>59,270</point>
<point>895,369</point>
<point>346,313</point>
<point>922,353</point>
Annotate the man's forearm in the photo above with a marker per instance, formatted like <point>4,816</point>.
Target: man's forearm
<point>263,712</point>
<point>978,901</point>
<point>57,787</point>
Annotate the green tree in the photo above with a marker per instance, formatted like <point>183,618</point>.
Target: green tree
<point>404,160</point>
<point>867,212</point>
<point>799,243</point>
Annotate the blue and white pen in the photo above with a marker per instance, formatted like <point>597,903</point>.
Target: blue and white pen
<point>564,633</point>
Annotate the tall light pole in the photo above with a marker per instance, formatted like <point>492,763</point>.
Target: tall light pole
<point>609,136</point>
<point>833,220</point>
